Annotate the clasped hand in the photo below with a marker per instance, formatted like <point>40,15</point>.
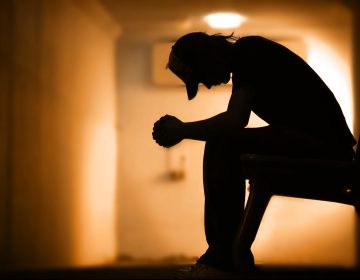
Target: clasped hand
<point>167,131</point>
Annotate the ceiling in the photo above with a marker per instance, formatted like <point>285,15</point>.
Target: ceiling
<point>169,19</point>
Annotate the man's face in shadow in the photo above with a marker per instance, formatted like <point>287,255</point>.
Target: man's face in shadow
<point>207,69</point>
<point>213,72</point>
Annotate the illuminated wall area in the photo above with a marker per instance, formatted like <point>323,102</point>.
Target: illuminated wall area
<point>61,139</point>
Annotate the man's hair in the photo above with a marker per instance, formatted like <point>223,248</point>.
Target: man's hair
<point>221,42</point>
<point>190,46</point>
<point>218,37</point>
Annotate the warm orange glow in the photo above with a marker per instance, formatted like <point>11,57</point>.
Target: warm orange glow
<point>96,242</point>
<point>304,233</point>
<point>336,74</point>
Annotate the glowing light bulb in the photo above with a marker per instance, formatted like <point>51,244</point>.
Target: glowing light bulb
<point>224,20</point>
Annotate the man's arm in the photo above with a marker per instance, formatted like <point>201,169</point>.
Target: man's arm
<point>169,130</point>
<point>235,117</point>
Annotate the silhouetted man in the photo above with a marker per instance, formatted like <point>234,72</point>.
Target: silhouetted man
<point>304,120</point>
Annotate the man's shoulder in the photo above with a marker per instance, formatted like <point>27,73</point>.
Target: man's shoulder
<point>264,50</point>
<point>257,46</point>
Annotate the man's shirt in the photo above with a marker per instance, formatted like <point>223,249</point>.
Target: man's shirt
<point>287,91</point>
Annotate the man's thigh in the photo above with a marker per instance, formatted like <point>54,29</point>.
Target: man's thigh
<point>277,141</point>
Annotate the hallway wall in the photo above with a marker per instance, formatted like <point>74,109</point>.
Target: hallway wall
<point>57,100</point>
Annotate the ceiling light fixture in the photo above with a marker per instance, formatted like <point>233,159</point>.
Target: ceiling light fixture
<point>224,20</point>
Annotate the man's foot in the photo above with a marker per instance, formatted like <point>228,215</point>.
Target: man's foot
<point>201,271</point>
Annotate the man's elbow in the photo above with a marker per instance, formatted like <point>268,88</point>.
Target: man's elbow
<point>237,124</point>
<point>237,120</point>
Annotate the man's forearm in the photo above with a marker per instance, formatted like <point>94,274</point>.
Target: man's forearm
<point>216,127</point>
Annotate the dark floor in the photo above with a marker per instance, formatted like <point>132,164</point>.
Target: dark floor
<point>168,272</point>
